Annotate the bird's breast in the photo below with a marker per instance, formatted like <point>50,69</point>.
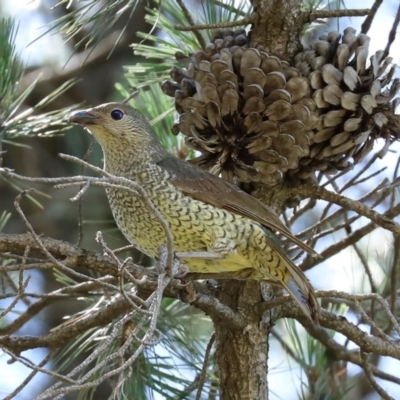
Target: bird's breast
<point>194,224</point>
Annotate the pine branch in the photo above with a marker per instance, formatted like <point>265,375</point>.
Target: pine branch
<point>368,21</point>
<point>369,374</point>
<point>309,17</point>
<point>240,22</point>
<point>347,241</point>
<point>203,374</point>
<point>320,193</point>
<point>329,320</point>
<point>189,18</point>
<point>342,353</point>
<point>392,33</point>
<point>228,7</point>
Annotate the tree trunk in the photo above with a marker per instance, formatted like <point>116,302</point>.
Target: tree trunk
<point>278,27</point>
<point>242,355</point>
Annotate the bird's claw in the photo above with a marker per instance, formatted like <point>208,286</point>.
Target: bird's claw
<point>178,269</point>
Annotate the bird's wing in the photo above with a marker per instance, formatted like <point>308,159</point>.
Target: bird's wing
<point>208,188</point>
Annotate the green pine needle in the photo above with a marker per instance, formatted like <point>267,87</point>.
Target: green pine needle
<point>15,123</point>
<point>4,217</point>
<point>314,358</point>
<point>92,20</point>
<point>159,57</point>
<point>29,123</point>
<point>11,68</point>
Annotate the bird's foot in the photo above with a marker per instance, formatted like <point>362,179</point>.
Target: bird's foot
<point>191,293</point>
<point>267,291</point>
<point>179,270</point>
<point>176,279</point>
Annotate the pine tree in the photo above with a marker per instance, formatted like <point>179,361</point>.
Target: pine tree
<point>244,90</point>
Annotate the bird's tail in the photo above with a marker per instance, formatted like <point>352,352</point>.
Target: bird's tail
<point>302,292</point>
<point>295,281</point>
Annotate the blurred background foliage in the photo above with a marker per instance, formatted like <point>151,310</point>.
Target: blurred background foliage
<point>78,53</point>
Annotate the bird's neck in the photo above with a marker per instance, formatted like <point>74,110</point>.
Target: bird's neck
<point>128,162</point>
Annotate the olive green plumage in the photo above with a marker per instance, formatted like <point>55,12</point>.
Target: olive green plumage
<point>204,212</point>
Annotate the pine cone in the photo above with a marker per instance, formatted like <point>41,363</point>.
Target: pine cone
<point>245,111</point>
<point>354,104</point>
<point>255,117</point>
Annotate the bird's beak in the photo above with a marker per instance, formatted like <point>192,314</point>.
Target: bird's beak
<point>83,117</point>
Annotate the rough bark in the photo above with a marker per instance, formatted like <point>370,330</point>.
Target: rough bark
<point>277,27</point>
<point>242,354</point>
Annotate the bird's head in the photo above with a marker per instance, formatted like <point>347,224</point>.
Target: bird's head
<point>117,126</point>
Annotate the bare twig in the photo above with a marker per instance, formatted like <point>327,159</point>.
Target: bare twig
<point>229,7</point>
<point>59,337</point>
<point>107,181</point>
<point>85,382</point>
<point>35,369</point>
<point>372,12</point>
<point>375,329</point>
<point>59,264</point>
<point>125,248</point>
<point>22,285</point>
<point>362,180</point>
<point>240,22</point>
<point>392,33</point>
<point>333,218</point>
<point>203,374</point>
<point>367,270</point>
<point>190,19</point>
<point>353,205</point>
<point>373,297</point>
<point>336,227</point>
<point>301,211</point>
<point>364,168</point>
<point>347,241</point>
<point>353,298</point>
<point>341,353</point>
<point>319,14</point>
<point>45,300</point>
<point>393,275</point>
<point>367,369</point>
<point>80,218</point>
<point>339,324</point>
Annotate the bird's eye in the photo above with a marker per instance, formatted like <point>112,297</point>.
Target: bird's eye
<point>117,114</point>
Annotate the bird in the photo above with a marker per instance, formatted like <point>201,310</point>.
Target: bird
<point>204,212</point>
